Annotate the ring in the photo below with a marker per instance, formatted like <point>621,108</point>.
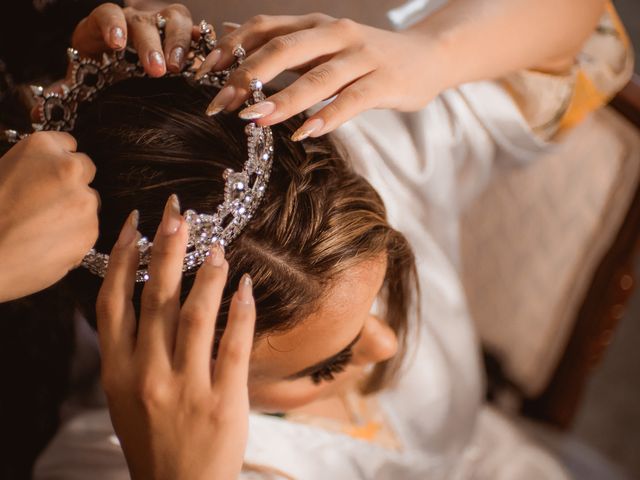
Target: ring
<point>161,22</point>
<point>240,53</point>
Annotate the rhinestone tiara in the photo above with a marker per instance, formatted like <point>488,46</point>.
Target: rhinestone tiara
<point>243,190</point>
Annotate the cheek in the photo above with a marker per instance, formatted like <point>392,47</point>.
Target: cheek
<point>282,396</point>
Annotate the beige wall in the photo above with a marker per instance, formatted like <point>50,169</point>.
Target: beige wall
<point>371,12</point>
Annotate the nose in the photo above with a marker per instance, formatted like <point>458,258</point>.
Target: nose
<point>377,343</point>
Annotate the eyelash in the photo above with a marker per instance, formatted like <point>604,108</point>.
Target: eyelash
<point>328,372</point>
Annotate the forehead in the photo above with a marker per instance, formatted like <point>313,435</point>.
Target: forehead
<point>338,319</point>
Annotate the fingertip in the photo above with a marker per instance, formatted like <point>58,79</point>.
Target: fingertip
<point>244,294</point>
<point>117,38</point>
<point>311,128</point>
<point>175,59</point>
<point>228,27</point>
<point>156,66</point>
<point>129,233</point>
<point>215,258</point>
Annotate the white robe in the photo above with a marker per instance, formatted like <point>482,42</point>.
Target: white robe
<point>426,166</point>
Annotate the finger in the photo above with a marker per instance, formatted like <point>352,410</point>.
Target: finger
<point>255,33</point>
<point>209,63</point>
<point>88,167</point>
<point>232,364</point>
<point>319,83</point>
<point>104,29</point>
<point>145,37</point>
<point>260,29</point>
<point>196,328</point>
<point>112,24</point>
<point>361,95</point>
<point>115,313</point>
<point>160,305</point>
<point>177,36</point>
<point>279,54</point>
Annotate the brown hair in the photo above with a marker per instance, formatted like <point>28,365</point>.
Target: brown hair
<point>149,138</point>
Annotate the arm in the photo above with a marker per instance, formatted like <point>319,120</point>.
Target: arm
<point>372,68</point>
<point>489,38</point>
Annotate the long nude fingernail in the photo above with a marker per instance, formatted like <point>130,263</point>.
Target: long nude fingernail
<point>175,59</point>
<point>209,64</point>
<point>129,230</point>
<point>258,110</point>
<point>216,256</point>
<point>117,38</point>
<point>156,59</point>
<point>171,218</point>
<point>230,26</point>
<point>307,128</point>
<point>221,100</point>
<point>245,289</point>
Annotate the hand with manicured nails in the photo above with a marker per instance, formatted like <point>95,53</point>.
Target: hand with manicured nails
<point>178,415</point>
<point>48,213</point>
<point>365,67</point>
<point>110,27</point>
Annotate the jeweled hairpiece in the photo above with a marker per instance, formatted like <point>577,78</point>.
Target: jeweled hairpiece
<point>243,190</point>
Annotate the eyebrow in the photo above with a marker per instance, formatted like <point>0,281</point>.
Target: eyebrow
<point>326,362</point>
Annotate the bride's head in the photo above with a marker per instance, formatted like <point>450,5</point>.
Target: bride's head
<point>319,248</point>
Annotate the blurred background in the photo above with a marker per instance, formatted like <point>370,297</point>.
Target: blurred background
<point>609,417</point>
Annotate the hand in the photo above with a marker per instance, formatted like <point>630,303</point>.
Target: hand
<point>108,27</point>
<point>178,415</point>
<point>366,67</point>
<point>48,213</point>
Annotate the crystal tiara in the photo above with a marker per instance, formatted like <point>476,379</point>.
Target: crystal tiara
<point>243,190</point>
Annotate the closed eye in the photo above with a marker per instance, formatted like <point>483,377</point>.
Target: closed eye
<point>326,369</point>
<point>328,372</point>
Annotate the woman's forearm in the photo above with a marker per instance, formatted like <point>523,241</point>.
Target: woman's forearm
<point>482,39</point>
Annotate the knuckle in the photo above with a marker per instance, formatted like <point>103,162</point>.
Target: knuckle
<point>153,300</point>
<point>68,168</point>
<point>233,350</point>
<point>319,76</point>
<point>151,392</point>
<point>193,317</point>
<point>356,95</point>
<point>139,19</point>
<point>281,44</point>
<point>259,21</point>
<point>319,17</point>
<point>345,26</point>
<point>39,140</point>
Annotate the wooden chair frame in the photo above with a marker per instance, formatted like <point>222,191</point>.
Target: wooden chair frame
<point>602,308</point>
